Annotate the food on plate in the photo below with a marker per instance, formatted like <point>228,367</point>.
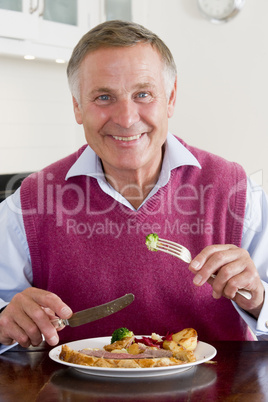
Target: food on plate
<point>151,241</point>
<point>187,338</point>
<point>120,333</point>
<point>137,352</point>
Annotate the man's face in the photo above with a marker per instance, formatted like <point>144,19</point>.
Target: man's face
<point>124,107</point>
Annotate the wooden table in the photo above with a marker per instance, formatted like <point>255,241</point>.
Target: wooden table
<point>239,373</point>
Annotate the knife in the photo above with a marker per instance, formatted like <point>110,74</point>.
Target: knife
<point>95,313</point>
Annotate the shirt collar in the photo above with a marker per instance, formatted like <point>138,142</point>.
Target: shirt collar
<point>176,155</point>
<point>87,164</point>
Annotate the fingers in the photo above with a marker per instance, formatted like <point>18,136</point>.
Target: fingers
<point>203,257</point>
<point>13,328</point>
<point>212,259</point>
<point>234,270</point>
<point>51,301</point>
<point>27,318</point>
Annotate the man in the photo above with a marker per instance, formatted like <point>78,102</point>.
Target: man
<point>80,240</point>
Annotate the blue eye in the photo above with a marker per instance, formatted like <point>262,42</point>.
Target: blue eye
<point>104,97</point>
<point>142,95</point>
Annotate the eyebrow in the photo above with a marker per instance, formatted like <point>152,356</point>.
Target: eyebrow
<point>100,90</point>
<point>139,86</point>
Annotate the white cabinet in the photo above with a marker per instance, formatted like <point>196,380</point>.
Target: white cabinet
<point>49,29</point>
<point>46,28</point>
<point>16,22</point>
<point>134,10</point>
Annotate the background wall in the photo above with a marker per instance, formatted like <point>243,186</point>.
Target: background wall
<point>222,80</point>
<point>37,124</point>
<point>222,91</point>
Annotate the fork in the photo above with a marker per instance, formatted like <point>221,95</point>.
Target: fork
<point>181,252</point>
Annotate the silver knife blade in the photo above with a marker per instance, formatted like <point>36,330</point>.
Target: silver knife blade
<point>95,313</point>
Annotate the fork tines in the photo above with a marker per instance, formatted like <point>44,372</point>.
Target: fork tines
<point>174,249</point>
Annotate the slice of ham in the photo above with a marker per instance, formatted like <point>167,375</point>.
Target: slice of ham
<point>147,354</point>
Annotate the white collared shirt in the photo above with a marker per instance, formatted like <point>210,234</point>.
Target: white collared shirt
<point>15,263</point>
<point>89,164</point>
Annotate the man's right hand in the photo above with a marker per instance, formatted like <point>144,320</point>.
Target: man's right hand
<point>27,317</point>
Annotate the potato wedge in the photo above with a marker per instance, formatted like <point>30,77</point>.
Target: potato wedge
<point>187,338</point>
<point>185,333</point>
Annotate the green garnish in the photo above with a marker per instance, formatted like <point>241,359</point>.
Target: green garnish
<point>151,241</point>
<point>121,333</point>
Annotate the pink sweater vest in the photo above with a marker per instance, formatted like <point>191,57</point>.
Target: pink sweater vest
<point>89,249</point>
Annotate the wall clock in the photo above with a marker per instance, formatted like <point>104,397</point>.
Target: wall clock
<point>218,11</point>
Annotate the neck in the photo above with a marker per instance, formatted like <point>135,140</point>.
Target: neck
<point>134,185</point>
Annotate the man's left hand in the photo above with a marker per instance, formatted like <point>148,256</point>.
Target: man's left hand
<point>235,270</point>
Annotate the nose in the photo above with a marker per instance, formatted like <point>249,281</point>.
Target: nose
<point>125,113</point>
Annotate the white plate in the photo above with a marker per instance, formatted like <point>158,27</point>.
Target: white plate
<point>203,353</point>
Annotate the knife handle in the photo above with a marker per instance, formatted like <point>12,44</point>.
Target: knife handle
<point>59,323</point>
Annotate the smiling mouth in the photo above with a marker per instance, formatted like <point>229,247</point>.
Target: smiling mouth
<point>134,137</point>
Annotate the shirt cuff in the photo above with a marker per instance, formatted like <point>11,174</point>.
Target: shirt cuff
<point>262,322</point>
<point>258,326</point>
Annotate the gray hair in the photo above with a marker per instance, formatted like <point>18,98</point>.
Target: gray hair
<point>118,34</point>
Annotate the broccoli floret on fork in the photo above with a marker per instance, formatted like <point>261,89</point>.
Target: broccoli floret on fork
<point>151,241</point>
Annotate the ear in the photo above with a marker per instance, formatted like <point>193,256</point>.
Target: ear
<point>77,111</point>
<point>172,100</point>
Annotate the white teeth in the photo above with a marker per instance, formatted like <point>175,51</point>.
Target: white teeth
<point>134,137</point>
